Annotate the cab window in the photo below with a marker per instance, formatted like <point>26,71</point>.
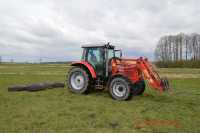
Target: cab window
<point>95,56</point>
<point>110,53</point>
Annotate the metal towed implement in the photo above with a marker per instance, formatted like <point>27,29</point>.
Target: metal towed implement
<point>102,67</point>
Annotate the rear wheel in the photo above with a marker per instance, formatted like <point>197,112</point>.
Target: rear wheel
<point>119,89</point>
<point>78,80</point>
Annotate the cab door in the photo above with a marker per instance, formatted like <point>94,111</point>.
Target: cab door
<point>95,56</point>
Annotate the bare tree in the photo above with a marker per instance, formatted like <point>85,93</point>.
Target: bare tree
<point>178,47</point>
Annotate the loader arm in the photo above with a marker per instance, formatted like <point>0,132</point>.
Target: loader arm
<point>152,76</point>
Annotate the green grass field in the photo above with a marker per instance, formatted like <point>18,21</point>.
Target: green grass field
<point>59,111</point>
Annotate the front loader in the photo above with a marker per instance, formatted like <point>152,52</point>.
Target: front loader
<point>101,68</point>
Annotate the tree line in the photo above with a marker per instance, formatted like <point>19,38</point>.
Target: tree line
<point>180,47</point>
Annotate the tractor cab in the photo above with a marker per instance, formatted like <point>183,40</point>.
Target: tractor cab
<point>98,56</point>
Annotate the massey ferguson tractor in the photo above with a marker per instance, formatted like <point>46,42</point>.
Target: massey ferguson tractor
<point>101,68</point>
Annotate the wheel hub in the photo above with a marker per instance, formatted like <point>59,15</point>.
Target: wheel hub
<point>77,80</point>
<point>119,90</point>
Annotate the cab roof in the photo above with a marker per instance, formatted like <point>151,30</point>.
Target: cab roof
<point>98,46</point>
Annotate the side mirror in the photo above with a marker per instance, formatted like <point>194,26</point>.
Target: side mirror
<point>118,51</point>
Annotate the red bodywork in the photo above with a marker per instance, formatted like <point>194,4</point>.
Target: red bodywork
<point>87,66</point>
<point>126,68</point>
<point>136,70</point>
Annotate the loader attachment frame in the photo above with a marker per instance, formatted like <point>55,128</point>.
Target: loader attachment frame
<point>152,76</point>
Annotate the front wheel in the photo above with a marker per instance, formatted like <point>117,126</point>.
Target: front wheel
<point>119,89</point>
<point>78,80</point>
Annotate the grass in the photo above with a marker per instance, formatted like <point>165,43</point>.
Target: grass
<point>58,110</point>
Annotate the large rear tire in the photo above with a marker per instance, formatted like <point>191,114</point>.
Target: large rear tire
<point>120,89</point>
<point>78,80</point>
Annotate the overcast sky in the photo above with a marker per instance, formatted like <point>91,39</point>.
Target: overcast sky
<point>55,29</point>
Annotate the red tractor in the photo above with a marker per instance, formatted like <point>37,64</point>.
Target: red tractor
<point>100,68</point>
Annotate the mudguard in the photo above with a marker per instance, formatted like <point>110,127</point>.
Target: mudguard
<point>87,65</point>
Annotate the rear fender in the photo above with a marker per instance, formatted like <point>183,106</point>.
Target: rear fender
<point>87,66</point>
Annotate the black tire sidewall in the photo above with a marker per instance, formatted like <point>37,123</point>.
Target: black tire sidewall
<point>142,89</point>
<point>138,88</point>
<point>86,80</point>
<point>123,81</point>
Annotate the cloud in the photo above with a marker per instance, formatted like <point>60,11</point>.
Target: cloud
<point>55,30</point>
